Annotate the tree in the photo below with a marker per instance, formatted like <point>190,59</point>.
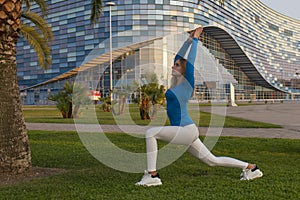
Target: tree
<point>153,93</point>
<point>68,100</point>
<point>14,146</point>
<point>157,96</point>
<point>106,103</point>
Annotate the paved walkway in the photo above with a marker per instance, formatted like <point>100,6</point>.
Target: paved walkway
<point>285,114</point>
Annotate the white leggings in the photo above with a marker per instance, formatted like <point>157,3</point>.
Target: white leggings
<point>188,136</point>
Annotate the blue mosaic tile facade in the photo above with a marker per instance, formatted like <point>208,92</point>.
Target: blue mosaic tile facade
<point>270,40</point>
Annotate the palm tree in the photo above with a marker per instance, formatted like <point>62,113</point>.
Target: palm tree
<point>151,92</point>
<point>14,146</point>
<point>69,100</point>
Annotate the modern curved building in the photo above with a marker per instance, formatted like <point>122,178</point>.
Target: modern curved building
<point>245,44</point>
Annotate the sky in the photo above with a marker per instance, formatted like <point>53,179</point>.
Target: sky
<point>286,7</point>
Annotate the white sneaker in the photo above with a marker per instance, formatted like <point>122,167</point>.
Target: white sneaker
<point>149,180</point>
<point>249,174</point>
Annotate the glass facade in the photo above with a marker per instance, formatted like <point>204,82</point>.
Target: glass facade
<point>259,53</point>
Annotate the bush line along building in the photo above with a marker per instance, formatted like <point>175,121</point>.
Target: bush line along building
<point>252,47</point>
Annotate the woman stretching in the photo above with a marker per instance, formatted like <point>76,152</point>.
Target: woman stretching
<point>183,130</point>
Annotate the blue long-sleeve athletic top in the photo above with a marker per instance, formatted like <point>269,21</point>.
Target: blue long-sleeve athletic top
<point>178,96</point>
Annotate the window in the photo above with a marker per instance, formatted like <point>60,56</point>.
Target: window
<point>288,32</point>
<point>256,19</point>
<point>273,27</point>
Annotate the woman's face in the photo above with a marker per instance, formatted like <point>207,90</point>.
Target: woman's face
<point>177,69</point>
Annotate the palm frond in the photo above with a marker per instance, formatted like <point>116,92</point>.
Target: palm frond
<point>96,11</point>
<point>39,43</point>
<point>41,3</point>
<point>27,5</point>
<point>40,23</point>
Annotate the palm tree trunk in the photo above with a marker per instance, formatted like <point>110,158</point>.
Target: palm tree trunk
<point>14,146</point>
<point>70,113</point>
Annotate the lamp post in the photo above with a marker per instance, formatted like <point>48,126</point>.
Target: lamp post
<point>110,4</point>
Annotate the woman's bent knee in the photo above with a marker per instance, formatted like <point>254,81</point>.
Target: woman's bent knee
<point>152,132</point>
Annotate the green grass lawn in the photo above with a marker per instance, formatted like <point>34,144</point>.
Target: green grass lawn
<point>187,178</point>
<point>49,114</point>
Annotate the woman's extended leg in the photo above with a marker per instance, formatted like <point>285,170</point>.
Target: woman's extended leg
<point>200,151</point>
